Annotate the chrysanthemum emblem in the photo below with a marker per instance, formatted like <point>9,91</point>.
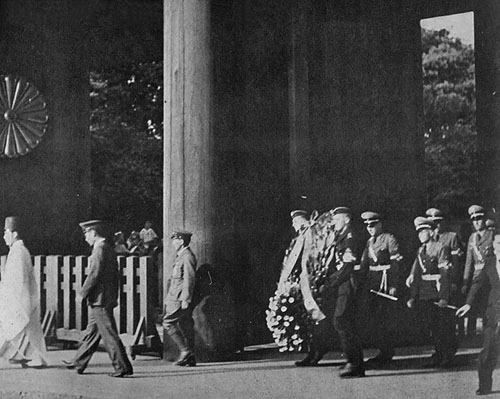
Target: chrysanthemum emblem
<point>23,116</point>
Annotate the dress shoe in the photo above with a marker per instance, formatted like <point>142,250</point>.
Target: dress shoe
<point>483,391</point>
<point>187,361</point>
<point>68,364</point>
<point>121,374</point>
<point>353,372</point>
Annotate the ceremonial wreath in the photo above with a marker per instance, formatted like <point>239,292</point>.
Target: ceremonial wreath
<point>293,310</point>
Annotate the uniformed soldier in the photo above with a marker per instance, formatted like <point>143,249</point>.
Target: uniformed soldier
<point>430,292</point>
<point>479,247</point>
<point>178,319</point>
<point>295,269</point>
<point>339,295</point>
<point>488,357</point>
<point>450,240</point>
<point>380,272</point>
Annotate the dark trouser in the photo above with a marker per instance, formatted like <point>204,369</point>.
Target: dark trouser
<point>488,356</point>
<point>179,325</point>
<point>349,339</point>
<point>101,324</point>
<point>379,317</point>
<point>441,323</point>
<point>322,337</point>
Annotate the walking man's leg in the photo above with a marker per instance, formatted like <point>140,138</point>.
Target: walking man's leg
<point>114,346</point>
<point>88,345</point>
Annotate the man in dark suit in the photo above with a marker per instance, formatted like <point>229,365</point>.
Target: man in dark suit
<point>178,319</point>
<point>339,297</point>
<point>488,357</point>
<point>100,289</point>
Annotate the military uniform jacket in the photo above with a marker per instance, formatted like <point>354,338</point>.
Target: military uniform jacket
<point>181,283</point>
<point>479,247</point>
<point>488,274</point>
<point>340,271</point>
<point>101,285</point>
<point>432,264</point>
<point>380,262</point>
<point>450,239</point>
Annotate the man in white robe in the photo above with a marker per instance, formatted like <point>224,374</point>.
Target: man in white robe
<point>21,336</point>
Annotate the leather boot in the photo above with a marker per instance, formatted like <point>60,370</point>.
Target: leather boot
<point>352,371</point>
<point>186,357</point>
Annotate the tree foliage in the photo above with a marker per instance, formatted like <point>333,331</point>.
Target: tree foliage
<point>449,120</point>
<point>127,150</point>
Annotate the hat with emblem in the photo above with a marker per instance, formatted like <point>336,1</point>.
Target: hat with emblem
<point>476,211</point>
<point>297,213</point>
<point>370,218</point>
<point>89,224</point>
<point>421,223</point>
<point>12,223</point>
<point>434,214</point>
<point>341,210</point>
<point>179,233</point>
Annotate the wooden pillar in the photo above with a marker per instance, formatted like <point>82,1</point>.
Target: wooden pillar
<point>487,51</point>
<point>298,89</point>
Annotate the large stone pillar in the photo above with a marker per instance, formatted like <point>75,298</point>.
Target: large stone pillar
<point>188,171</point>
<point>487,51</point>
<point>187,123</point>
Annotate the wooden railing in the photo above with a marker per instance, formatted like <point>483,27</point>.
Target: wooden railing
<point>59,278</point>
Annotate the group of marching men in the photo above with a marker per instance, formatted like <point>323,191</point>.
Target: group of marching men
<point>366,288</point>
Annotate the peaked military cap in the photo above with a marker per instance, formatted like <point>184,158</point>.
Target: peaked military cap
<point>12,223</point>
<point>179,233</point>
<point>341,210</point>
<point>370,217</point>
<point>90,224</point>
<point>476,211</point>
<point>434,214</point>
<point>421,223</point>
<point>297,213</point>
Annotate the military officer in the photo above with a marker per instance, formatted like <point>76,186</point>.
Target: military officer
<point>379,267</point>
<point>430,292</point>
<point>178,319</point>
<point>450,240</point>
<point>339,293</point>
<point>479,247</point>
<point>295,268</point>
<point>488,357</point>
